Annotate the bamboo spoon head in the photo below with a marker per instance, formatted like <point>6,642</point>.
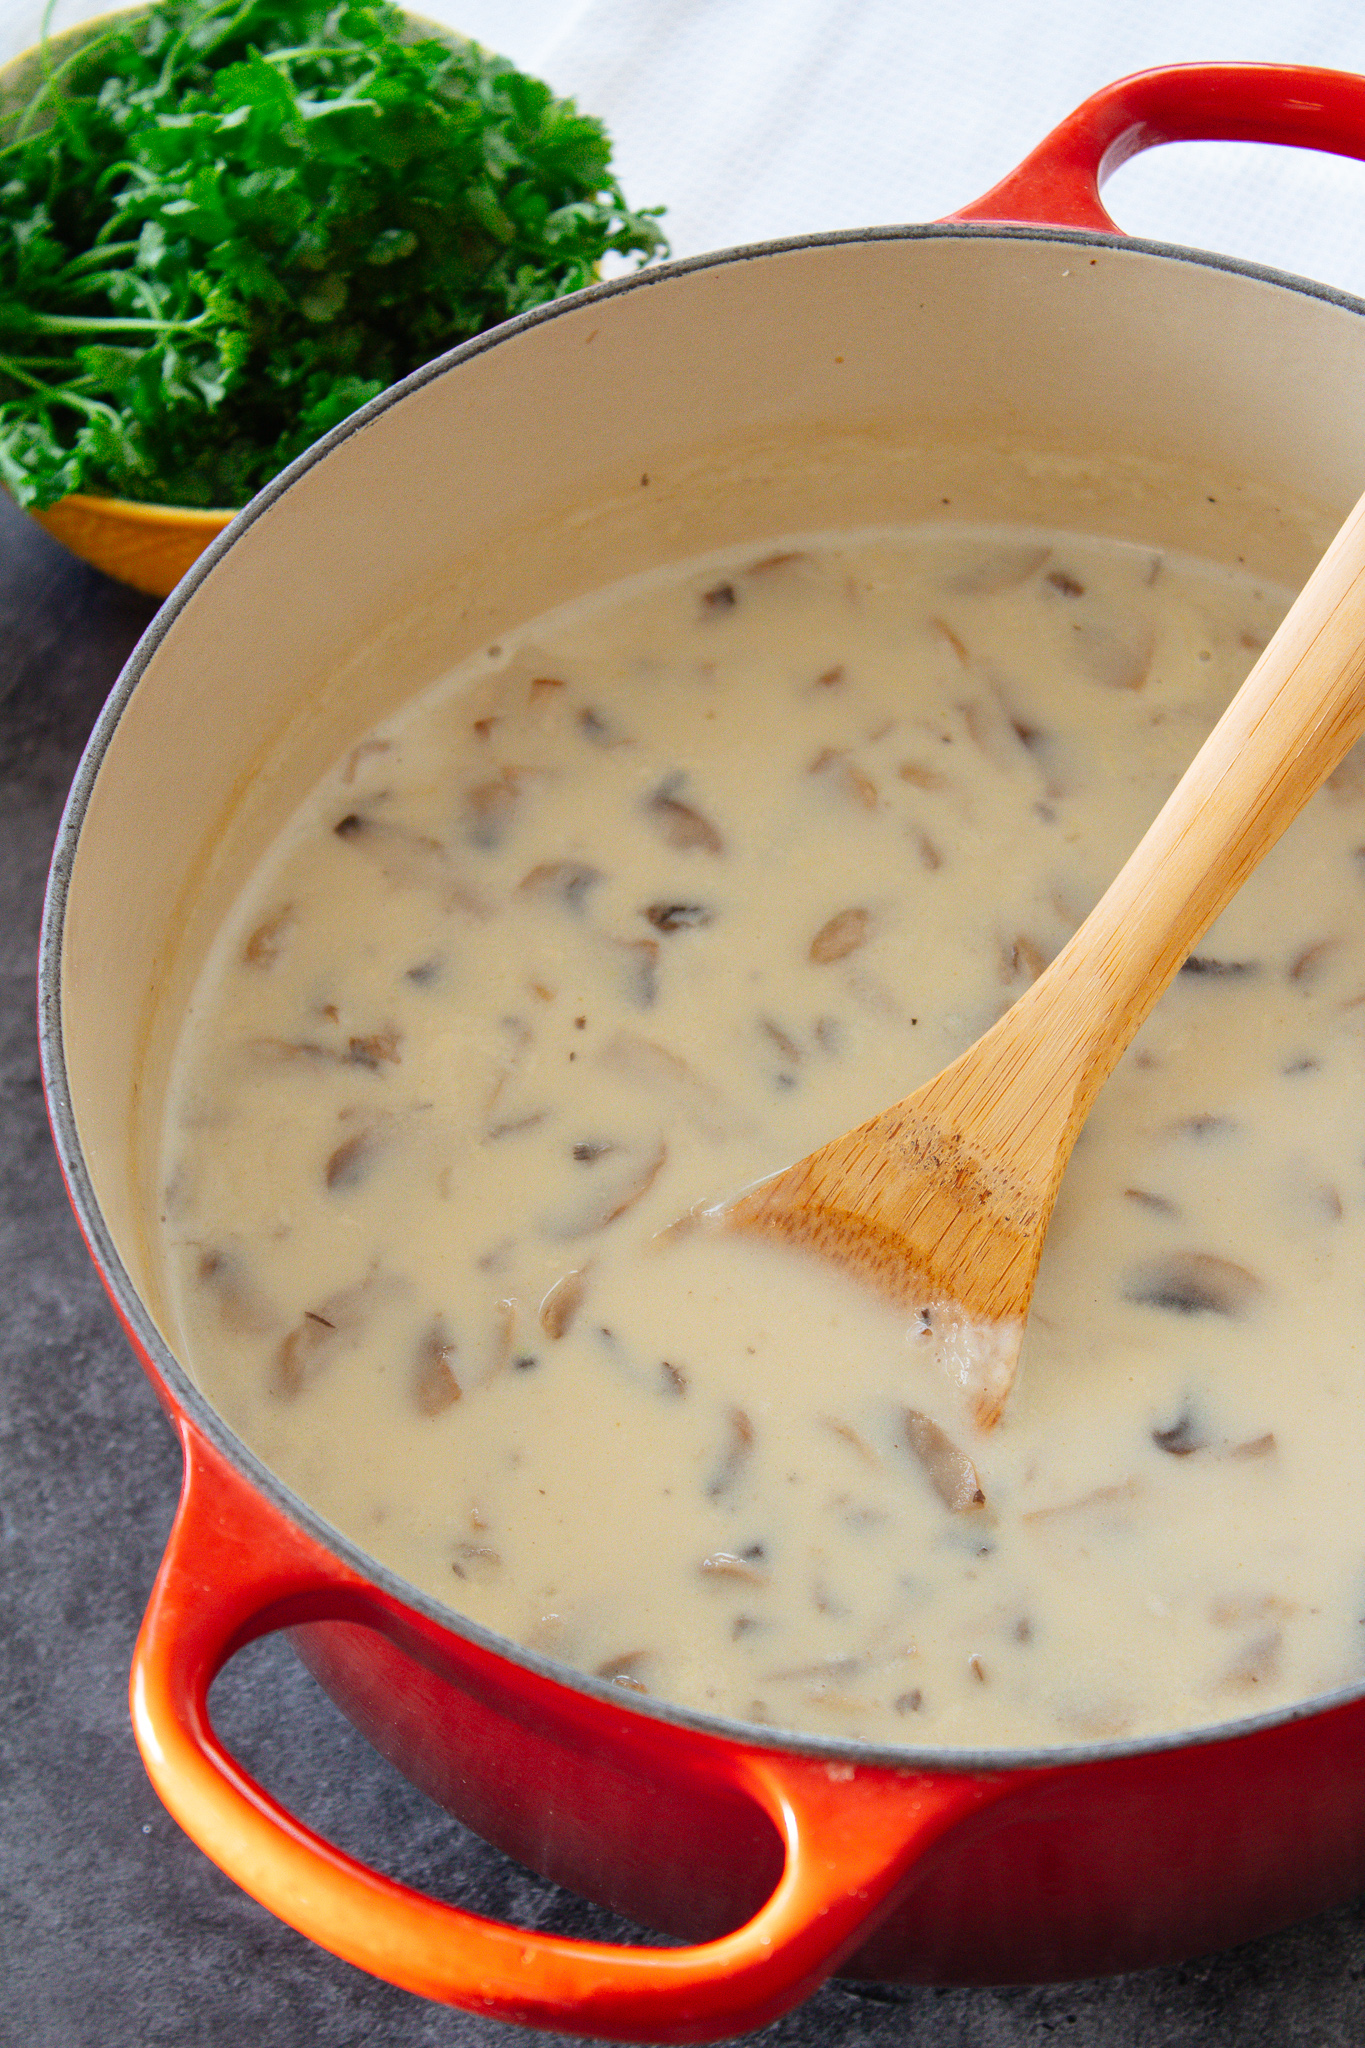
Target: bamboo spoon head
<point>918,1204</point>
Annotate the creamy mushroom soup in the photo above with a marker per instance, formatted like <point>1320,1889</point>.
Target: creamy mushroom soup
<point>645,903</point>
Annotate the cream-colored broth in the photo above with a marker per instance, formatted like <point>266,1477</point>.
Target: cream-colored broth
<point>650,901</point>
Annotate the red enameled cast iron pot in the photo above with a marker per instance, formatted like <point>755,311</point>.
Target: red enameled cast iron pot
<point>1020,359</point>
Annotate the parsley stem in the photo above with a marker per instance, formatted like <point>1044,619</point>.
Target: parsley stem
<point>93,257</point>
<point>107,177</point>
<point>60,394</point>
<point>315,50</point>
<point>10,367</point>
<point>98,323</point>
<point>205,50</point>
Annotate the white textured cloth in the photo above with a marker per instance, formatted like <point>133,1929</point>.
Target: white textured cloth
<point>750,119</point>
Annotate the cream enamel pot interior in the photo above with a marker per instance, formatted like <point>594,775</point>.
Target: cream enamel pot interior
<point>1055,373</point>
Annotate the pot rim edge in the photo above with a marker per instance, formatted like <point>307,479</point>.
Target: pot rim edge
<point>194,1406</point>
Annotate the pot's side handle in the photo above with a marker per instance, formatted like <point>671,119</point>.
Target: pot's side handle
<point>234,1570</point>
<point>1058,185</point>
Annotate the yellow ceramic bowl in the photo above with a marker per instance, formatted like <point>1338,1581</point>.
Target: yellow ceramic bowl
<point>147,546</point>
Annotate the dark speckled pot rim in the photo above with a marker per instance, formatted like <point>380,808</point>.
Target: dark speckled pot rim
<point>188,1397</point>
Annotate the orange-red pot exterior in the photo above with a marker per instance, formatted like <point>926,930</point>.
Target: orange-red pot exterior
<point>775,1863</point>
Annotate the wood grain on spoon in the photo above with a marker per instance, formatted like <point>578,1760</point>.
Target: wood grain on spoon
<point>942,1201</point>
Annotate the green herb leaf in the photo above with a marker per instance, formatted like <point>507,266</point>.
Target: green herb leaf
<point>225,224</point>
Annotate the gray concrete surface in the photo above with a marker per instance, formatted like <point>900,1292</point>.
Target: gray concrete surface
<point>114,1931</point>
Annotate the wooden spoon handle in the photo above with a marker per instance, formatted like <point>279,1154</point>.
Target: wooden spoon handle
<point>1300,709</point>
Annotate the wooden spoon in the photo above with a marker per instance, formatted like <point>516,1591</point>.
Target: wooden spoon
<point>942,1201</point>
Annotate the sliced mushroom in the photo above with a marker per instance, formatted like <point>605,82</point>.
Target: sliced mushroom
<point>490,808</point>
<point>559,1307</point>
<point>845,776</point>
<point>1099,1497</point>
<point>434,1385</point>
<point>267,941</point>
<point>782,560</point>
<point>409,860</point>
<point>677,917</point>
<point>920,777</point>
<point>363,752</point>
<point>636,1170</point>
<point>950,1471</point>
<point>323,1332</point>
<point>477,1561</point>
<point>241,1304</point>
<point>566,882</point>
<point>785,1044</point>
<point>518,1037</point>
<point>1203,1127</point>
<point>1010,742</point>
<point>598,731</point>
<point>1240,1610</point>
<point>515,1127</point>
<point>636,967</point>
<point>625,1670</point>
<point>373,1052</point>
<point>683,828</point>
<point>350,1164</point>
<point>502,1338</point>
<point>1098,1720</point>
<point>827,1668</point>
<point>376,1049</point>
<point>1021,956</point>
<point>1194,1284</point>
<point>1256,1663</point>
<point>1118,662</point>
<point>840,935</point>
<point>943,631</point>
<point>1200,964</point>
<point>733,1564</point>
<point>734,1458</point>
<point>873,995</point>
<point>847,1434</point>
<point>654,1067</point>
<point>1307,967</point>
<point>996,569</point>
<point>1182,1438</point>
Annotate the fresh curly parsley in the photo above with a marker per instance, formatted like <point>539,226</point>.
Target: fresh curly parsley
<point>225,226</point>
